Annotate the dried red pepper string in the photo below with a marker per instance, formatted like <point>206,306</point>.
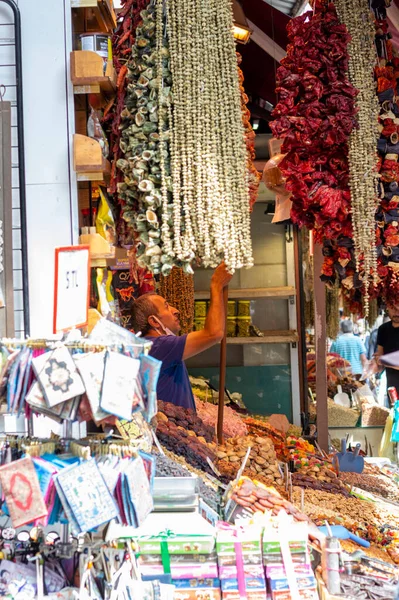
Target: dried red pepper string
<point>315,116</point>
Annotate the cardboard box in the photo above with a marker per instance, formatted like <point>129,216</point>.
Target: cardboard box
<point>184,571</point>
<point>310,594</point>
<point>251,584</point>
<point>196,583</point>
<point>197,594</point>
<point>179,544</point>
<point>252,595</point>
<point>230,572</point>
<point>297,542</point>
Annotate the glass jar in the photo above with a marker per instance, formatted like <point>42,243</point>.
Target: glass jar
<point>231,308</point>
<point>244,308</point>
<point>199,324</point>
<point>200,309</point>
<point>231,326</point>
<point>243,326</point>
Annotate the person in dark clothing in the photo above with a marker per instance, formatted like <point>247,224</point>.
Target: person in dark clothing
<point>159,323</point>
<point>388,341</point>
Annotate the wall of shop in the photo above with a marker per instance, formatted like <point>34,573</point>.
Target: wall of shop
<point>261,373</point>
<point>50,185</point>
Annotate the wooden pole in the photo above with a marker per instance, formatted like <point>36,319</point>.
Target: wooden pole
<point>222,369</point>
<point>321,351</point>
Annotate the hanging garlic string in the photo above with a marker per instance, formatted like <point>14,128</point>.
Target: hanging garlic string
<point>363,140</point>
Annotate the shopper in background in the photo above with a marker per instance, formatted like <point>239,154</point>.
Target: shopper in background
<point>388,341</point>
<point>159,322</point>
<point>350,347</point>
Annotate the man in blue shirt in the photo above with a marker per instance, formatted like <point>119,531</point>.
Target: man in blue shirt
<point>350,347</point>
<point>159,322</point>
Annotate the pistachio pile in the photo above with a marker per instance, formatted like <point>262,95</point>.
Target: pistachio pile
<point>262,459</point>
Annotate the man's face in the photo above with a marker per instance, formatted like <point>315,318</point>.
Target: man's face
<point>168,315</point>
<point>393,312</point>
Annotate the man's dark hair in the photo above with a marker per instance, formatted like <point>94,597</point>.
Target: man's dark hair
<point>143,308</point>
<point>346,326</point>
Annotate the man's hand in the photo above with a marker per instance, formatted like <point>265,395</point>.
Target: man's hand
<point>215,323</point>
<point>221,277</point>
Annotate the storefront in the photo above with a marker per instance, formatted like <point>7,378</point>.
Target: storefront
<point>137,159</point>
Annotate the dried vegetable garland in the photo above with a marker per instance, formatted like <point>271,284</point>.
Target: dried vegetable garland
<point>178,289</point>
<point>144,143</point>
<point>315,116</point>
<point>185,171</point>
<point>254,176</point>
<point>123,38</point>
<point>387,217</point>
<point>362,142</point>
<point>208,151</point>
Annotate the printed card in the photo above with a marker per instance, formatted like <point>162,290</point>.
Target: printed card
<point>91,368</point>
<point>21,489</point>
<point>118,395</point>
<point>58,376</point>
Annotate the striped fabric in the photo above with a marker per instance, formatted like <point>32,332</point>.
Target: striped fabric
<point>350,347</point>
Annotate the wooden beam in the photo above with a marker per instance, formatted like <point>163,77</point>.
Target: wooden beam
<point>266,43</point>
<point>222,370</point>
<point>321,349</point>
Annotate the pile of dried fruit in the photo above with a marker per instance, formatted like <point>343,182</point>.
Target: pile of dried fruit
<point>334,486</point>
<point>186,418</point>
<point>232,422</point>
<point>262,459</point>
<point>261,428</point>
<point>257,497</point>
<point>318,471</point>
<point>187,444</point>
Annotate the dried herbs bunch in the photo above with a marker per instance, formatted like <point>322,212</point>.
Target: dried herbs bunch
<point>211,214</point>
<point>178,289</point>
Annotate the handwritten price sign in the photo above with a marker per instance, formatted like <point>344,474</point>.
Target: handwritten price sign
<point>71,287</point>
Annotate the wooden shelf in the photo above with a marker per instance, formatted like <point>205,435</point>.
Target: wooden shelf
<point>102,11</point>
<point>270,337</point>
<point>87,73</point>
<point>251,293</point>
<point>88,160</point>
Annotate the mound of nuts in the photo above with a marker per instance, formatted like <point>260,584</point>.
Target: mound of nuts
<point>262,459</point>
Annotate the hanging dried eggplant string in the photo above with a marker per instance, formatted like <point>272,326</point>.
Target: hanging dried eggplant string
<point>178,289</point>
<point>332,310</point>
<point>373,313</point>
<point>363,175</point>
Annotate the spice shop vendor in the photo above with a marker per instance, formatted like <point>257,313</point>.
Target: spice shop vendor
<point>159,322</point>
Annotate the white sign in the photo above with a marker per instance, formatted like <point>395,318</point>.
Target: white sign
<point>71,287</point>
